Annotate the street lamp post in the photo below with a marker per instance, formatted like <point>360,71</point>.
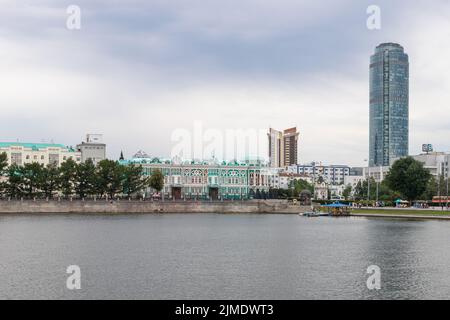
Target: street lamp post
<point>368,186</point>
<point>314,179</point>
<point>377,192</point>
<point>379,181</point>
<point>368,182</point>
<point>446,169</point>
<point>439,189</point>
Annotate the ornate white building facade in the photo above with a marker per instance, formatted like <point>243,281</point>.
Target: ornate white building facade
<point>208,179</point>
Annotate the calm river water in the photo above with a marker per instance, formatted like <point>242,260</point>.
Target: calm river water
<point>212,256</point>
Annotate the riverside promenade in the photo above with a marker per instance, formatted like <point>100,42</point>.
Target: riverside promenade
<point>136,206</point>
<point>403,213</point>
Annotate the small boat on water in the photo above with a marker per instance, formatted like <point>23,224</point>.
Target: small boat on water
<point>312,214</point>
<point>309,214</point>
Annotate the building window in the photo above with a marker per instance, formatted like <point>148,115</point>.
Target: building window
<point>53,159</point>
<point>16,158</point>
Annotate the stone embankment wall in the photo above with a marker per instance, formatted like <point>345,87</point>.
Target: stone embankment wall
<point>125,206</point>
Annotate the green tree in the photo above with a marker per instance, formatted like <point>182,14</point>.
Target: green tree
<point>347,192</point>
<point>133,179</point>
<point>157,180</point>
<point>31,175</point>
<point>109,178</point>
<point>384,191</point>
<point>85,179</point>
<point>49,180</point>
<point>68,177</point>
<point>14,184</point>
<point>3,162</point>
<point>408,177</point>
<point>360,192</point>
<point>305,197</point>
<point>300,185</point>
<point>442,186</point>
<point>3,167</point>
<point>386,194</point>
<point>434,188</point>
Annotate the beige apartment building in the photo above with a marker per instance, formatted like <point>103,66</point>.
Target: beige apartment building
<point>44,153</point>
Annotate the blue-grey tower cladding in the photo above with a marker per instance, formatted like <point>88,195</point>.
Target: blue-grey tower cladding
<point>389,104</point>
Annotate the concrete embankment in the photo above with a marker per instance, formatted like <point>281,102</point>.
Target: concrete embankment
<point>124,206</point>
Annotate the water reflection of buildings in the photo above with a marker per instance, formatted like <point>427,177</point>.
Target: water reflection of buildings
<point>397,248</point>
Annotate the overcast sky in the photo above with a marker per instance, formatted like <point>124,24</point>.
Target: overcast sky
<point>138,70</point>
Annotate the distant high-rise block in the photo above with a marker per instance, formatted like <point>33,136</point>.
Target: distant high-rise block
<point>389,104</point>
<point>283,147</point>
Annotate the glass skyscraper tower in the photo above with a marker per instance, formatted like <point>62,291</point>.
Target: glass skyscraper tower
<point>389,104</point>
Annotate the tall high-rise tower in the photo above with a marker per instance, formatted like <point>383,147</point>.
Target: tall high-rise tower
<point>283,147</point>
<point>389,104</point>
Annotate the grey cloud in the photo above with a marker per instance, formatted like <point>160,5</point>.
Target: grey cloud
<point>138,69</point>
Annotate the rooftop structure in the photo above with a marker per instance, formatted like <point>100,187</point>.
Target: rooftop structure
<point>93,148</point>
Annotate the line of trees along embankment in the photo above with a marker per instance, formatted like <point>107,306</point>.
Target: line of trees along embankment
<point>107,179</point>
<point>407,178</point>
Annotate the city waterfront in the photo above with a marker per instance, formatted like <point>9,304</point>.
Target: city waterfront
<point>125,206</point>
<point>216,256</point>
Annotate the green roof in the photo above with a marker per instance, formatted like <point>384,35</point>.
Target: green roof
<point>33,146</point>
<point>232,163</point>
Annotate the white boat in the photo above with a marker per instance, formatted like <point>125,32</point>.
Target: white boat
<point>312,214</point>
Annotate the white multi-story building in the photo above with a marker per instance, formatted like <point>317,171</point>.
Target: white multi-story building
<point>332,174</point>
<point>287,178</point>
<point>21,153</point>
<point>435,162</point>
<point>337,192</point>
<point>93,148</point>
<point>353,181</point>
<point>377,173</point>
<point>361,173</point>
<point>321,191</point>
<point>273,177</point>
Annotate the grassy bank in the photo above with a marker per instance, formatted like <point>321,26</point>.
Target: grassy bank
<point>403,212</point>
